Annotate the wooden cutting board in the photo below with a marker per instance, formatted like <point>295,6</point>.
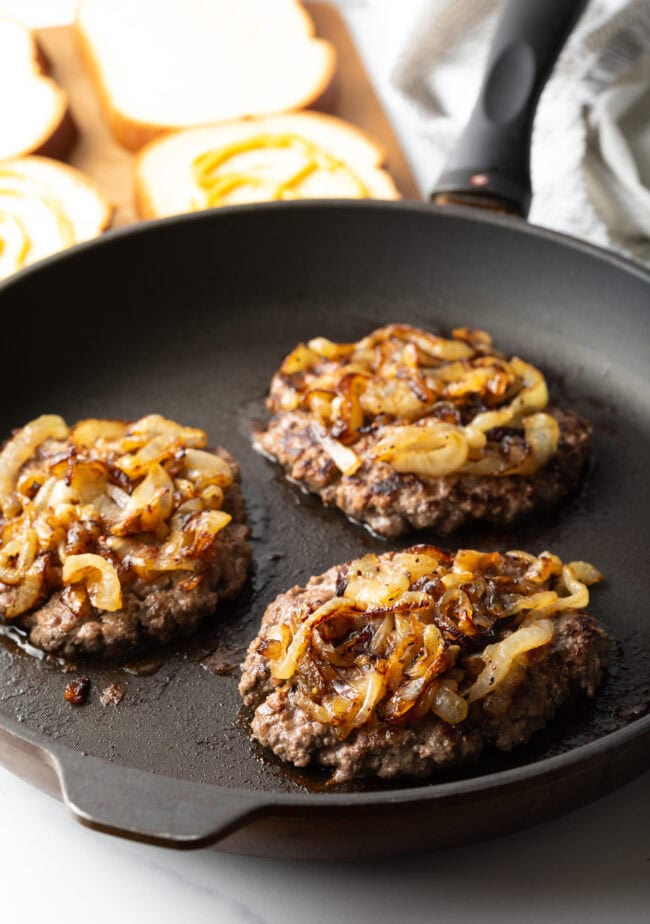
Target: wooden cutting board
<point>101,157</point>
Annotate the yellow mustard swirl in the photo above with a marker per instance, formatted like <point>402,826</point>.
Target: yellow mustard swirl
<point>217,185</point>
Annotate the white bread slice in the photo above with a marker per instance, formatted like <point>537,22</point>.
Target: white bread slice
<point>161,65</point>
<point>257,157</point>
<point>45,206</point>
<point>34,115</point>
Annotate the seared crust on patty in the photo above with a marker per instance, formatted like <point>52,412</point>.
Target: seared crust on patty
<point>392,503</point>
<point>541,681</point>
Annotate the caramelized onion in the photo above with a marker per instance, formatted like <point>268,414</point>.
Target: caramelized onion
<point>433,450</point>
<point>145,491</point>
<point>87,433</point>
<point>533,396</point>
<point>300,359</point>
<point>206,468</point>
<point>543,567</point>
<point>500,656</point>
<point>150,504</point>
<point>19,449</point>
<point>330,350</point>
<point>430,344</point>
<point>161,448</point>
<point>100,578</point>
<point>154,425</point>
<point>417,564</point>
<point>402,636</point>
<point>17,555</point>
<point>372,689</point>
<point>345,459</point>
<point>417,392</point>
<point>313,710</point>
<point>448,705</point>
<point>90,485</point>
<point>28,592</point>
<point>372,582</point>
<point>583,571</point>
<point>191,547</point>
<point>287,666</point>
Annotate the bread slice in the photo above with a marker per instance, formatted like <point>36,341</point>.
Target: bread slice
<point>45,206</point>
<point>301,155</point>
<point>34,114</point>
<point>165,64</point>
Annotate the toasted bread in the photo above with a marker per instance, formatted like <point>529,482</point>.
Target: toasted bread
<point>45,206</point>
<point>303,155</point>
<point>160,65</point>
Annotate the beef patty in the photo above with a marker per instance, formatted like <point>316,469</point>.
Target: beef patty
<point>117,535</point>
<point>399,437</point>
<point>416,661</point>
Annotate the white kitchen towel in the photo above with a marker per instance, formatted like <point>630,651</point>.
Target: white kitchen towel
<point>591,140</point>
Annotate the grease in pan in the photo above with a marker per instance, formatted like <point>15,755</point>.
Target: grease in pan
<point>409,662</point>
<point>116,534</point>
<point>405,430</point>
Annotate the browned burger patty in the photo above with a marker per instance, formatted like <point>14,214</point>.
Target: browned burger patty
<point>302,716</point>
<point>392,503</point>
<point>134,533</point>
<point>331,436</point>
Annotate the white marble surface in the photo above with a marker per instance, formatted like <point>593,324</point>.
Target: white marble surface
<point>590,867</point>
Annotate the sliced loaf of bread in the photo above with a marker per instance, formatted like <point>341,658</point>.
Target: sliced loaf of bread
<point>34,114</point>
<point>302,155</point>
<point>45,206</point>
<point>165,64</point>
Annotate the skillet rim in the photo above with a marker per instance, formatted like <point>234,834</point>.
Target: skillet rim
<point>514,223</point>
<point>266,800</point>
<point>64,757</point>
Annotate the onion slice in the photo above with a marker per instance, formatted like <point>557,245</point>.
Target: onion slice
<point>434,450</point>
<point>29,591</point>
<point>19,449</point>
<point>500,656</point>
<point>285,668</point>
<point>150,504</point>
<point>345,459</point>
<point>17,555</point>
<point>99,576</point>
<point>448,705</point>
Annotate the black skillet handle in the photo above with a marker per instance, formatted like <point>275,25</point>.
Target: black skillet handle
<point>152,809</point>
<point>490,165</point>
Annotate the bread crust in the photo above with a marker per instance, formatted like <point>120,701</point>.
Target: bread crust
<point>133,134</point>
<point>58,144</point>
<point>59,135</point>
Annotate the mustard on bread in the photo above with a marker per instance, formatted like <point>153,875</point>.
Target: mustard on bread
<point>45,206</point>
<point>302,155</point>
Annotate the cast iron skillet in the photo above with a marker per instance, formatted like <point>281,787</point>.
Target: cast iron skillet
<point>189,318</point>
